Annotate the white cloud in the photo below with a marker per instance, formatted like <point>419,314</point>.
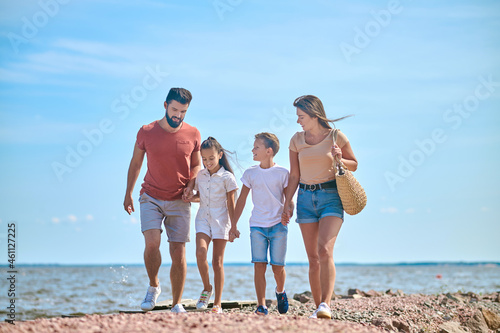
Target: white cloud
<point>133,220</point>
<point>72,218</point>
<point>89,217</point>
<point>389,210</point>
<point>410,211</point>
<point>56,220</point>
<point>484,209</point>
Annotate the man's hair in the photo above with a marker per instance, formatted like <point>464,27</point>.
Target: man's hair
<point>270,141</point>
<point>180,95</point>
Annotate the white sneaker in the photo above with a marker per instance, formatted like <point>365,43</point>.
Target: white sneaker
<point>216,309</point>
<point>324,311</point>
<point>314,315</point>
<point>178,308</point>
<point>203,300</point>
<point>149,301</point>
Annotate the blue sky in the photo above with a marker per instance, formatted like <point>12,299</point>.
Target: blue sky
<point>78,79</point>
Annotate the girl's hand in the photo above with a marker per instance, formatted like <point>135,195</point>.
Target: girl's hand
<point>336,152</point>
<point>188,194</point>
<point>233,234</point>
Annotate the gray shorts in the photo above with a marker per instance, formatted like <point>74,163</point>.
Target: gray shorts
<point>175,215</point>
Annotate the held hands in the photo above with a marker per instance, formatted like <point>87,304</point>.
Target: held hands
<point>287,213</point>
<point>188,194</point>
<point>233,234</point>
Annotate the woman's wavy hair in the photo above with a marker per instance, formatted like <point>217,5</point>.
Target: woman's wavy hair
<point>312,105</point>
<point>210,142</point>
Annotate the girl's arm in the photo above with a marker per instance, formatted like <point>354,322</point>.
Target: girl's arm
<point>230,205</point>
<point>240,204</point>
<point>293,183</point>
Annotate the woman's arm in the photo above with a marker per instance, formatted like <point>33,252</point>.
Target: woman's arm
<point>293,183</point>
<point>346,155</point>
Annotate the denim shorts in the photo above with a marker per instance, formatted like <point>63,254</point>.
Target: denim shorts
<point>312,206</point>
<point>273,238</point>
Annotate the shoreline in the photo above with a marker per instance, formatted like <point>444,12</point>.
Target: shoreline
<point>359,311</point>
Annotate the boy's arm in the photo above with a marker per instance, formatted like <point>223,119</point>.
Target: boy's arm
<point>290,207</point>
<point>238,209</point>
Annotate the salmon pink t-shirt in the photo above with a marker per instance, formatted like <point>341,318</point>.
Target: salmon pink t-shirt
<point>169,159</point>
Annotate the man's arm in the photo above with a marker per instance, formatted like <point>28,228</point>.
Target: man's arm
<point>133,173</point>
<point>195,168</point>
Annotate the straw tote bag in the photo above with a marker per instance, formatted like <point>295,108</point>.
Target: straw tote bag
<point>351,193</point>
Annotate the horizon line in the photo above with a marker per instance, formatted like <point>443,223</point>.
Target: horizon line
<point>401,263</point>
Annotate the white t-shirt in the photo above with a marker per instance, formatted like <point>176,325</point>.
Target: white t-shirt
<point>267,186</point>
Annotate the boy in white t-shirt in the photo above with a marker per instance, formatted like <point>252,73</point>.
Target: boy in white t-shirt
<point>268,182</point>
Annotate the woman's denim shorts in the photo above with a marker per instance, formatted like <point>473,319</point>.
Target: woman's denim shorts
<point>312,206</point>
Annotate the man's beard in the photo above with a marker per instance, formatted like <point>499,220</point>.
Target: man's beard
<point>173,123</point>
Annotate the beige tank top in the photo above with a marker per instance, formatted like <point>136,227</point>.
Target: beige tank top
<point>316,161</point>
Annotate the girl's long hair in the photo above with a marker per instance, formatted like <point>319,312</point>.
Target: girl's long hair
<point>312,105</point>
<point>210,142</point>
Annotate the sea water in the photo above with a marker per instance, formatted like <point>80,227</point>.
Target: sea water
<point>46,291</point>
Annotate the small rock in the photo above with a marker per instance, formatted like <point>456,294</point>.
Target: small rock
<point>304,297</point>
<point>402,326</point>
<point>351,292</point>
<point>498,298</point>
<point>477,324</point>
<point>270,302</point>
<point>372,293</point>
<point>356,296</point>
<point>335,296</point>
<point>492,319</point>
<point>385,323</point>
<point>451,327</point>
<point>455,298</point>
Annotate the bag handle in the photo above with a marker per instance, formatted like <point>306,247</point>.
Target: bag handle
<point>339,164</point>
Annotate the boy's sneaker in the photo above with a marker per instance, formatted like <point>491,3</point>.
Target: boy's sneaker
<point>324,311</point>
<point>203,300</point>
<point>262,310</point>
<point>178,308</point>
<point>149,301</point>
<point>282,302</point>
<point>216,309</point>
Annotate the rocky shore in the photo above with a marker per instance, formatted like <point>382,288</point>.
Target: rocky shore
<point>359,311</point>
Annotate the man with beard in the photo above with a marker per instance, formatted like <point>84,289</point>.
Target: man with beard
<point>173,150</point>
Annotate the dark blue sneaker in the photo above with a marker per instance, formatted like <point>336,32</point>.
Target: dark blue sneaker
<point>282,302</point>
<point>261,310</point>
